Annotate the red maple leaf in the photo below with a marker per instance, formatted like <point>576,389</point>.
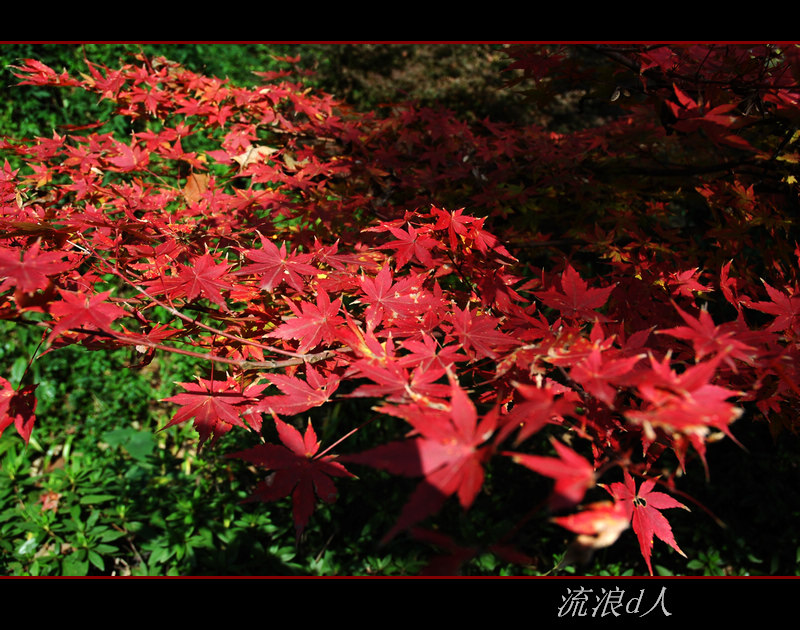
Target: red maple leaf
<point>785,307</point>
<point>599,370</point>
<point>573,474</point>
<point>34,72</point>
<point>412,244</point>
<point>130,158</point>
<point>297,470</point>
<point>216,406</point>
<point>298,395</point>
<point>708,339</point>
<point>478,334</point>
<point>730,286</point>
<point>684,405</point>
<point>576,299</point>
<point>448,452</point>
<point>17,407</point>
<point>391,380</point>
<point>205,278</point>
<point>644,508</point>
<point>686,282</point>
<point>537,407</point>
<point>427,353</point>
<point>716,122</point>
<point>314,324</point>
<point>28,270</point>
<point>456,223</point>
<point>276,266</point>
<point>383,294</point>
<point>76,310</point>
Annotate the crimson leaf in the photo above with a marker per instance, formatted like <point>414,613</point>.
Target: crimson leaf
<point>297,470</point>
<point>573,474</point>
<point>216,406</point>
<point>576,299</point>
<point>644,506</point>
<point>448,453</point>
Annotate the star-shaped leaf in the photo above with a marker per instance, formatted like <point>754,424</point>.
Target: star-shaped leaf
<point>297,470</point>
<point>576,299</point>
<point>76,310</point>
<point>29,270</point>
<point>276,266</point>
<point>449,452</point>
<point>644,506</point>
<point>299,395</point>
<point>216,406</point>
<point>313,324</point>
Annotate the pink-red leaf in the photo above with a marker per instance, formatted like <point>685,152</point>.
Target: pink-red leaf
<point>17,408</point>
<point>478,333</point>
<point>644,508</point>
<point>449,453</point>
<point>76,310</point>
<point>298,395</point>
<point>316,323</point>
<point>215,406</point>
<point>576,299</point>
<point>29,270</point>
<point>296,470</point>
<point>573,474</point>
<point>276,266</point>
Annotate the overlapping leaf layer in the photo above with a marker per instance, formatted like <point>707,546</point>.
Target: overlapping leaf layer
<point>483,284</point>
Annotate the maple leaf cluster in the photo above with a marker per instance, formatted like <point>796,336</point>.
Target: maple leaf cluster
<point>491,323</point>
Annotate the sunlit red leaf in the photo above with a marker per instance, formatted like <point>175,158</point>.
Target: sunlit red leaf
<point>644,507</point>
<point>478,334</point>
<point>17,407</point>
<point>314,323</point>
<point>214,406</point>
<point>29,270</point>
<point>79,311</point>
<point>573,474</point>
<point>449,453</point>
<point>298,395</point>
<point>296,471</point>
<point>276,266</point>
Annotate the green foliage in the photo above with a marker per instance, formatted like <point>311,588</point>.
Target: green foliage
<point>87,495</point>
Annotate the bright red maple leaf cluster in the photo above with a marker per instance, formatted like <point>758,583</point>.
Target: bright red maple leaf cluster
<point>532,292</point>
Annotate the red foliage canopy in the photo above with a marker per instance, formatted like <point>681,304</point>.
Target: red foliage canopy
<point>410,268</point>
